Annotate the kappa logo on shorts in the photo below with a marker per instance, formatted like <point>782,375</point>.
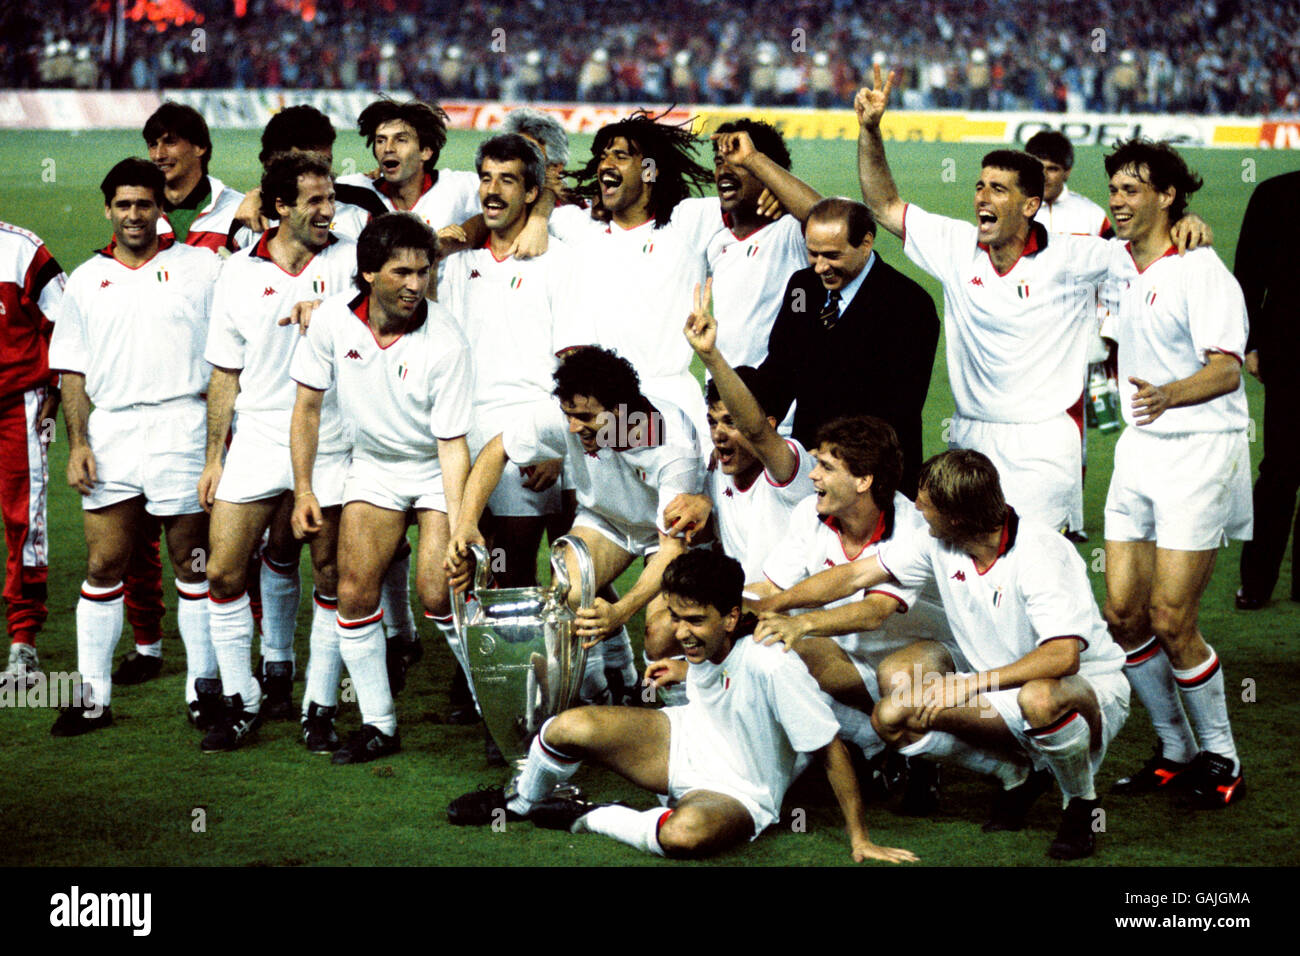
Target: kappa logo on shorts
<point>353,354</point>
<point>269,291</point>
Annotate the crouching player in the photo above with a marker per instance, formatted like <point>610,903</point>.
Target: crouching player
<point>1049,683</point>
<point>725,759</point>
<point>403,375</point>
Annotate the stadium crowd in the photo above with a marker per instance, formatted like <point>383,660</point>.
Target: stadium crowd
<point>1205,56</point>
<point>496,355</point>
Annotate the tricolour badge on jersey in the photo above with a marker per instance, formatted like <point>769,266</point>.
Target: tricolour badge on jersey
<point>318,285</point>
<point>1151,297</point>
<point>402,369</point>
<point>648,248</point>
<point>751,252</point>
<point>1022,289</point>
<point>997,597</point>
<point>163,275</point>
<point>516,282</point>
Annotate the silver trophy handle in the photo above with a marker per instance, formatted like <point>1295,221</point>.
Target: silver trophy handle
<point>481,560</point>
<point>586,568</point>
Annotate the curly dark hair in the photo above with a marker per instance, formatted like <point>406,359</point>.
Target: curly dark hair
<point>600,374</point>
<point>1159,165</point>
<point>672,148</point>
<point>429,123</point>
<point>767,139</point>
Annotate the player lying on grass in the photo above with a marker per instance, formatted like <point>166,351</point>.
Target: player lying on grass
<point>1048,682</point>
<point>724,760</point>
<point>627,455</point>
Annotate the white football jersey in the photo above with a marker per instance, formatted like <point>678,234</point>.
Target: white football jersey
<point>450,199</point>
<point>1072,214</point>
<point>757,710</point>
<point>635,287</point>
<point>749,280</point>
<point>812,544</point>
<point>137,334</point>
<point>753,521</point>
<point>507,309</point>
<point>1035,591</point>
<point>1168,319</point>
<point>211,227</point>
<point>251,296</point>
<point>1017,343</point>
<point>629,488</point>
<point>398,399</point>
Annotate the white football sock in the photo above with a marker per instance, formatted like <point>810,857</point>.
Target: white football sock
<point>1202,690</point>
<point>192,622</point>
<point>361,645</point>
<point>395,597</point>
<point>949,748</point>
<point>230,623</point>
<point>544,768</point>
<point>636,828</point>
<point>281,592</point>
<point>99,625</point>
<point>594,686</point>
<point>149,650</point>
<point>1152,678</point>
<point>324,665</point>
<point>855,727</point>
<point>1066,744</point>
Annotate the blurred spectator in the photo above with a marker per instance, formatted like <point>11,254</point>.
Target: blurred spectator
<point>1226,56</point>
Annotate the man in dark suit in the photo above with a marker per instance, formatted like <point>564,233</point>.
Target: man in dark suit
<point>1266,256</point>
<point>854,335</point>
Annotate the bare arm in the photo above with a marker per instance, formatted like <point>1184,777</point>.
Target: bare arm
<point>844,783</point>
<point>304,433</point>
<point>869,614</point>
<point>82,473</point>
<point>878,189</point>
<point>478,487</point>
<point>601,619</point>
<point>795,196</point>
<point>1218,376</point>
<point>778,458</point>
<point>453,457</point>
<point>829,585</point>
<point>223,387</point>
<point>534,238</point>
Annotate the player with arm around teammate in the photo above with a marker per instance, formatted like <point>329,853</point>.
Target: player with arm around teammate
<point>724,760</point>
<point>1046,683</point>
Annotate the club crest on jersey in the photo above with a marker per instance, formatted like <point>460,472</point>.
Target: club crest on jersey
<point>162,275</point>
<point>402,370</point>
<point>516,282</point>
<point>1022,289</point>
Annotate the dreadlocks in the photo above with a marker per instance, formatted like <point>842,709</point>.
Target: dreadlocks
<point>671,149</point>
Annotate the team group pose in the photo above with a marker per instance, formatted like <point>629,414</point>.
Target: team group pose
<point>500,355</point>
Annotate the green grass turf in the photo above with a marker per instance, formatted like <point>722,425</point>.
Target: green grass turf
<point>128,796</point>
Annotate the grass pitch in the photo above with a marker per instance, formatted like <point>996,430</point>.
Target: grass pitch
<point>142,794</point>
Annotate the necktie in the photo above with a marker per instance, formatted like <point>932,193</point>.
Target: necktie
<point>830,313</point>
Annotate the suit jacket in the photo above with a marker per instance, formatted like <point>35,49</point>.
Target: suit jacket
<point>1267,252</point>
<point>876,360</point>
